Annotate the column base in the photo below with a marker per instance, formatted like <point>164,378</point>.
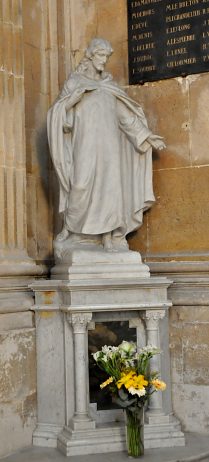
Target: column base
<point>77,425</point>
<point>157,418</point>
<point>163,434</point>
<point>109,438</point>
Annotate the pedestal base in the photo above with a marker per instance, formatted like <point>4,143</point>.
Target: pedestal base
<point>45,435</point>
<point>84,264</point>
<point>108,438</point>
<point>111,438</point>
<point>164,434</point>
<point>96,286</point>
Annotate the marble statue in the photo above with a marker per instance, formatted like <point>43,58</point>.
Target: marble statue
<point>101,149</point>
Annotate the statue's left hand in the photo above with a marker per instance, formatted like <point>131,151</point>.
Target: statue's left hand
<point>74,98</point>
<point>66,128</point>
<point>156,142</point>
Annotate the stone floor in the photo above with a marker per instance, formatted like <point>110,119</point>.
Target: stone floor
<point>196,449</point>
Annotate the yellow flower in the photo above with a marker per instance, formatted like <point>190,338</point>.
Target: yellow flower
<point>140,382</point>
<point>158,384</point>
<point>130,380</point>
<point>126,379</point>
<point>107,382</point>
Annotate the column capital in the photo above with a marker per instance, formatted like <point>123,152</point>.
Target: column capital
<point>152,318</point>
<point>79,321</point>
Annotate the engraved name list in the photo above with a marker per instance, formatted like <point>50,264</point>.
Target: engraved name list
<point>167,38</point>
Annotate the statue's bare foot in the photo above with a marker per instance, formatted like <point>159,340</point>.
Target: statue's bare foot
<point>107,242</point>
<point>63,235</point>
<point>120,244</point>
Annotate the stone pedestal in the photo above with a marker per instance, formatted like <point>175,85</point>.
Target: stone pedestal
<point>97,287</point>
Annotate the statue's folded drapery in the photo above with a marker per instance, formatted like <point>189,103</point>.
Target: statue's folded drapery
<point>104,163</point>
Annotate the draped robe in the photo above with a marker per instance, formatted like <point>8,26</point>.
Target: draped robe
<point>104,165</point>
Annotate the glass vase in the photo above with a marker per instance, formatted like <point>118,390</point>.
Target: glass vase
<point>135,432</point>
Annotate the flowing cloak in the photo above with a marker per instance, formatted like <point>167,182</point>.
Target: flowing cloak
<point>104,164</point>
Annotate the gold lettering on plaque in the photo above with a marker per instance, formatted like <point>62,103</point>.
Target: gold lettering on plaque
<point>172,6</point>
<point>182,39</point>
<point>144,35</point>
<point>182,62</point>
<point>176,51</point>
<point>147,68</point>
<point>141,59</point>
<point>143,3</point>
<point>188,3</point>
<point>139,25</point>
<point>143,47</point>
<point>141,14</point>
<point>180,28</point>
<point>205,46</point>
<point>187,15</point>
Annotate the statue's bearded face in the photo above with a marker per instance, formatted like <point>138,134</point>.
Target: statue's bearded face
<point>99,59</point>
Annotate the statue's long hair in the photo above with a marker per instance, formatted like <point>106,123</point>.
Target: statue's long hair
<point>95,45</point>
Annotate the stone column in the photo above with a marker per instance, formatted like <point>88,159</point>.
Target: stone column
<point>16,268</point>
<point>155,408</point>
<point>14,260</point>
<point>81,419</point>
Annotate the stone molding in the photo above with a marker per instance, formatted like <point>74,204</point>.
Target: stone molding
<point>15,277</point>
<point>25,267</point>
<point>190,281</point>
<point>179,268</point>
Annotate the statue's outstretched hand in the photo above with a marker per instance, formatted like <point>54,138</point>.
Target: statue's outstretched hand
<point>74,98</point>
<point>156,142</point>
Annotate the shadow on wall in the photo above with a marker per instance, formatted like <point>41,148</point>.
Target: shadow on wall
<point>50,189</point>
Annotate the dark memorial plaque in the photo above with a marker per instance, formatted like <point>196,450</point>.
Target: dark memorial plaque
<point>167,39</point>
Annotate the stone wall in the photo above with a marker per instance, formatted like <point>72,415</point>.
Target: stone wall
<point>189,343</point>
<point>174,236</point>
<point>42,41</point>
<point>17,270</point>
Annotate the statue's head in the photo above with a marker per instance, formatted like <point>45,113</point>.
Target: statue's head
<point>98,52</point>
<point>97,45</point>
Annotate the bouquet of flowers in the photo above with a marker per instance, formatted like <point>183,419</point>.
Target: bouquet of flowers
<point>130,383</point>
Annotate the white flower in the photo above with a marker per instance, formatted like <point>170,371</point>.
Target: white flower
<point>149,349</point>
<point>96,355</point>
<point>114,349</point>
<point>134,391</point>
<point>127,347</point>
<point>106,349</point>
